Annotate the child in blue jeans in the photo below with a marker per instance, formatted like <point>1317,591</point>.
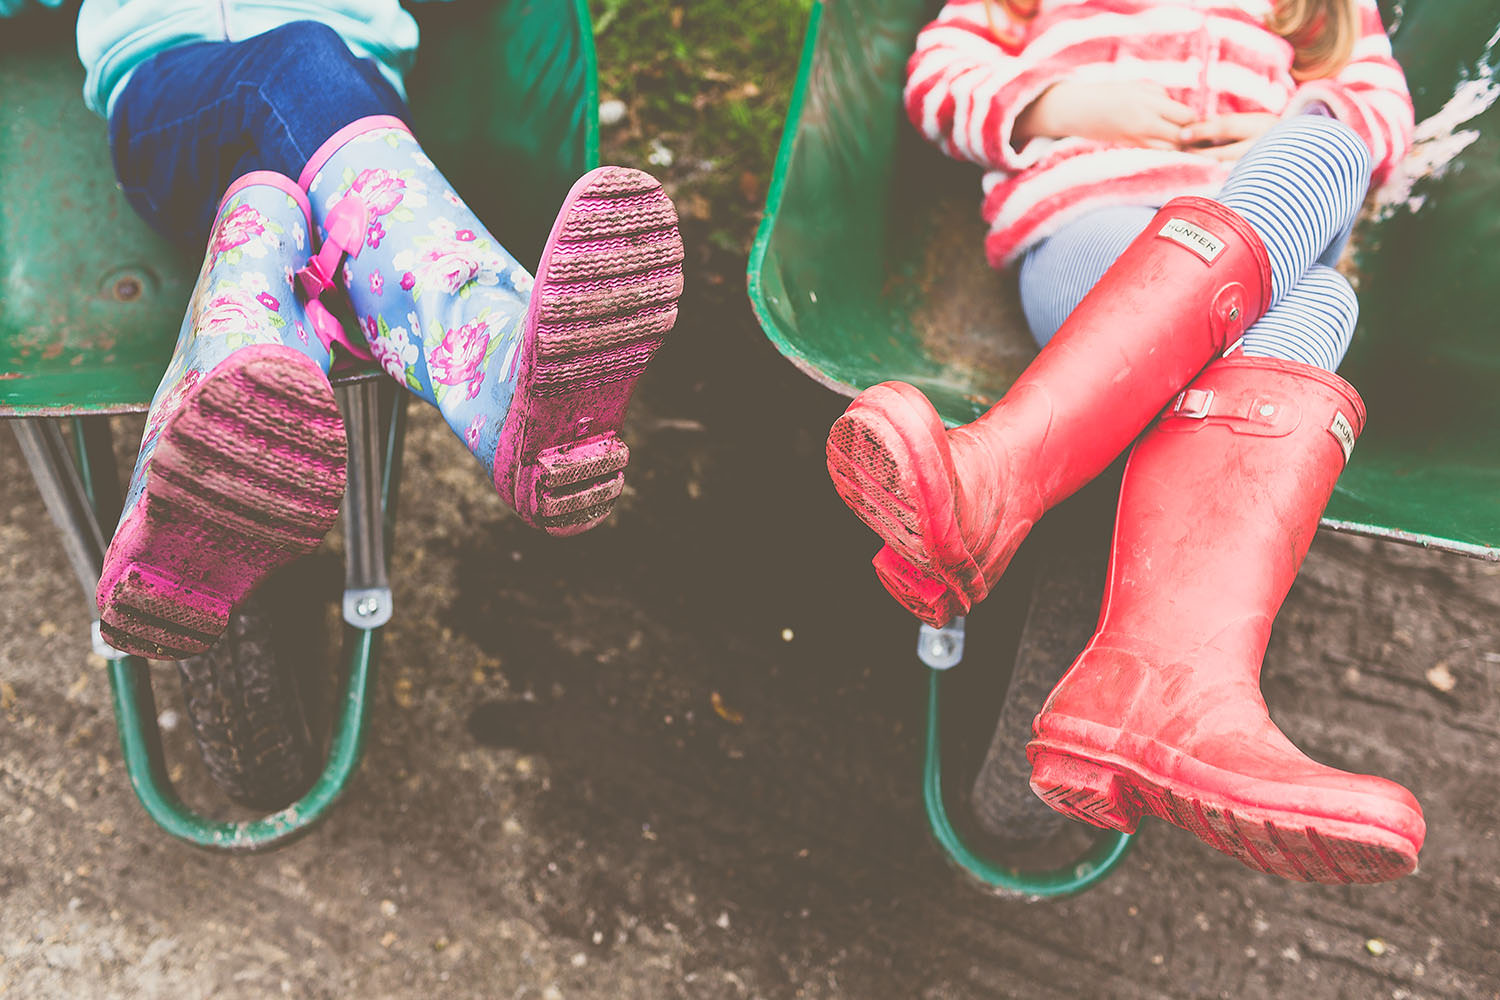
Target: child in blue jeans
<point>276,134</point>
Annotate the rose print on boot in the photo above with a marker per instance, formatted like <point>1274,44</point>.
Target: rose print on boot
<point>533,375</point>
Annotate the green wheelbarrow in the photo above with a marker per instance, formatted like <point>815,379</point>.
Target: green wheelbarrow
<point>87,326</point>
<point>868,267</point>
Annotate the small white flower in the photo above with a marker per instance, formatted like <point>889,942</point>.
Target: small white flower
<point>254,282</point>
<point>299,237</point>
<point>660,156</point>
<point>611,112</point>
<point>520,280</point>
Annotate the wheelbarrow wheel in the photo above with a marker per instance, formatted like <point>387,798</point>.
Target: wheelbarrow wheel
<point>248,715</point>
<point>1072,550</point>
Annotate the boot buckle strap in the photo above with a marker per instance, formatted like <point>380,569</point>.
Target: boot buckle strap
<point>1242,410</point>
<point>330,331</point>
<point>346,225</point>
<point>1194,403</point>
<point>345,228</point>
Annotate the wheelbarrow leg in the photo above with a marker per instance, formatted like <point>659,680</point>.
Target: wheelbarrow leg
<point>371,511</point>
<point>67,500</point>
<point>941,650</point>
<point>367,588</point>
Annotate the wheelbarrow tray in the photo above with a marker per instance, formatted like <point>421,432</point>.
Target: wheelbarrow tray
<point>868,266</point>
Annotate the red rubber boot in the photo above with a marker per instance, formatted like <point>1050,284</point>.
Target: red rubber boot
<point>953,506</point>
<point>1162,712</point>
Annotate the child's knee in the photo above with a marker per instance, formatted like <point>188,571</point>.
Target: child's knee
<point>1336,297</point>
<point>1336,151</point>
<point>308,44</point>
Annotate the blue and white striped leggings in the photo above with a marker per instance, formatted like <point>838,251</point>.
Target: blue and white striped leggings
<point>1300,187</point>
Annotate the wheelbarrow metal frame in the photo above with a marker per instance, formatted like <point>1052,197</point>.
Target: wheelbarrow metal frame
<point>544,125</point>
<point>939,649</point>
<point>850,85</point>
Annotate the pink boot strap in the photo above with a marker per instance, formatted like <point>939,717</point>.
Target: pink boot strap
<point>346,226</point>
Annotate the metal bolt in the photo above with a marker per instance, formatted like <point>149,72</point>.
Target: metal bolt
<point>128,288</point>
<point>1267,410</point>
<point>941,646</point>
<point>367,606</point>
<point>1234,312</point>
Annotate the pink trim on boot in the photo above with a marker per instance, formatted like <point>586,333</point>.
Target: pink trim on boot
<point>268,178</point>
<point>340,138</point>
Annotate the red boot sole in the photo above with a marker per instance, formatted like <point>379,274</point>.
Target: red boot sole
<point>888,459</point>
<point>1296,846</point>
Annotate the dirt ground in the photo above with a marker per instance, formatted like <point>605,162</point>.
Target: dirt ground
<point>678,757</point>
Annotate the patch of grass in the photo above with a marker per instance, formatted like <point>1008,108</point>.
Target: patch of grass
<point>705,86</point>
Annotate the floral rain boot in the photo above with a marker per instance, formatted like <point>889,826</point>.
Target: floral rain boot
<point>242,466</point>
<point>533,374</point>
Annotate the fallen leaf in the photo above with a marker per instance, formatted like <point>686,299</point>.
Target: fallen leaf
<point>724,712</point>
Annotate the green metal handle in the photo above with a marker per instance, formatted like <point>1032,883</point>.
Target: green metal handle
<point>135,716</point>
<point>1047,884</point>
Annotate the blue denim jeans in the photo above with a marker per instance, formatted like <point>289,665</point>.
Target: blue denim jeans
<point>195,117</point>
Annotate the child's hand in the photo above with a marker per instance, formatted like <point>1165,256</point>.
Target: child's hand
<point>1227,137</point>
<point>1133,113</point>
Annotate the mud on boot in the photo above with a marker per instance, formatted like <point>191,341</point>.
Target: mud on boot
<point>952,506</point>
<point>533,374</point>
<point>241,469</point>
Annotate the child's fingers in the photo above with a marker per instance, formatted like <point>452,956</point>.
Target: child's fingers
<point>1177,113</point>
<point>1227,128</point>
<point>1229,151</point>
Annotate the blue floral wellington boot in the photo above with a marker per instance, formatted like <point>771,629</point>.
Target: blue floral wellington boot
<point>533,374</point>
<point>242,465</point>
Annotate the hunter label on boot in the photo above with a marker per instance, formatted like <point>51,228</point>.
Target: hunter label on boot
<point>1203,244</point>
<point>1343,432</point>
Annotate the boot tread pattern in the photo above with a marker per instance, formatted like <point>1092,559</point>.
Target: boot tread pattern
<point>1285,845</point>
<point>605,299</point>
<point>867,476</point>
<point>247,476</point>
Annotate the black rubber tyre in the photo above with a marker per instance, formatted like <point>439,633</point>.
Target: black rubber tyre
<point>1072,552</point>
<point>247,712</point>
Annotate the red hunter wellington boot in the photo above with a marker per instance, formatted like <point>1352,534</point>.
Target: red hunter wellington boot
<point>1162,712</point>
<point>953,506</point>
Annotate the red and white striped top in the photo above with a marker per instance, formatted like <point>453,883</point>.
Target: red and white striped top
<point>964,91</point>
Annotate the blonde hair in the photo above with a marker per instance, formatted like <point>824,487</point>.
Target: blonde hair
<point>1322,32</point>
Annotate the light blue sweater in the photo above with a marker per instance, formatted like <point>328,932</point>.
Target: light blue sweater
<point>116,36</point>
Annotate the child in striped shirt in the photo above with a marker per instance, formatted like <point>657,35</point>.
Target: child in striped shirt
<point>1175,181</point>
